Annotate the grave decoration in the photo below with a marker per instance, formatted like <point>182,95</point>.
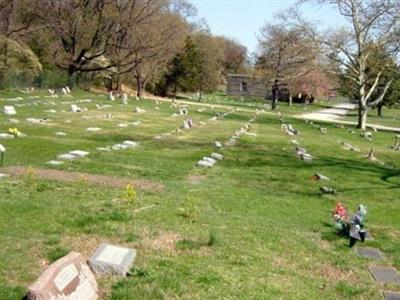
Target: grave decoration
<point>357,224</point>
<point>318,176</point>
<point>327,190</point>
<point>303,154</point>
<point>15,132</point>
<point>288,128</point>
<point>110,259</point>
<point>396,145</point>
<point>67,278</point>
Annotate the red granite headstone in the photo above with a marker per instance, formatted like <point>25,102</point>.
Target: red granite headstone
<point>69,278</point>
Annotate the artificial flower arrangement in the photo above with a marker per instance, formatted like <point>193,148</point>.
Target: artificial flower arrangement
<point>15,132</point>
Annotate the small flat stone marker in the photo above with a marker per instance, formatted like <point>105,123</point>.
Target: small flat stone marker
<point>112,259</point>
<point>79,153</point>
<point>391,295</point>
<point>385,274</point>
<point>66,156</point>
<point>66,279</point>
<point>368,252</point>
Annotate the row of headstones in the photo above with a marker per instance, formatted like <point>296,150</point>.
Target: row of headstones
<point>76,154</point>
<point>210,161</point>
<point>72,277</point>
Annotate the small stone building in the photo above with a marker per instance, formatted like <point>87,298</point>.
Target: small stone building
<point>245,85</point>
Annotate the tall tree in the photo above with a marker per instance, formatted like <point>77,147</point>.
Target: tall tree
<point>285,54</point>
<point>369,22</point>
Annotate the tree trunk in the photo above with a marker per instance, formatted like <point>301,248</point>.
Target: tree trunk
<point>139,87</point>
<point>380,110</point>
<point>200,92</point>
<point>362,116</point>
<point>290,99</point>
<point>275,89</point>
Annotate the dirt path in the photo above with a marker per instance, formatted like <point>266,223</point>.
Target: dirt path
<point>65,176</point>
<point>330,114</point>
<point>336,113</point>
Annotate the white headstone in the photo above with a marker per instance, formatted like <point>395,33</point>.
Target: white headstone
<point>9,110</point>
<point>112,259</point>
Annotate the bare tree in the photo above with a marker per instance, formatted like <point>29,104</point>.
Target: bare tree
<point>370,22</point>
<point>82,31</point>
<point>285,54</point>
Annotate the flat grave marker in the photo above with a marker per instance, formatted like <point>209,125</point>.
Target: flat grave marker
<point>368,252</point>
<point>391,295</point>
<point>385,274</point>
<point>112,259</point>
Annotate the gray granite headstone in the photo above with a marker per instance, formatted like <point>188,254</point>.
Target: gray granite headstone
<point>385,274</point>
<point>112,259</point>
<point>368,252</point>
<point>391,295</point>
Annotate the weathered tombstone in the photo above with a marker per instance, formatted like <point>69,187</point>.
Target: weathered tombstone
<point>370,253</point>
<point>79,153</point>
<point>54,163</point>
<point>9,110</point>
<point>124,99</point>
<point>217,144</point>
<point>385,274</point>
<point>69,278</point>
<point>112,259</point>
<point>75,108</point>
<point>217,156</point>
<point>130,144</point>
<point>66,156</point>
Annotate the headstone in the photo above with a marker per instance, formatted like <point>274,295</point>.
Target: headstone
<point>368,252</point>
<point>318,176</point>
<point>391,295</point>
<point>139,110</point>
<point>210,160</point>
<point>385,274</point>
<point>59,133</point>
<point>112,259</point>
<point>111,96</point>
<point>79,153</point>
<point>69,278</point>
<point>6,136</point>
<point>66,156</point>
<point>74,108</point>
<point>217,144</point>
<point>217,156</point>
<point>93,129</point>
<point>130,144</point>
<point>9,110</point>
<point>124,99</point>
<point>204,164</point>
<point>54,163</point>
<point>106,149</point>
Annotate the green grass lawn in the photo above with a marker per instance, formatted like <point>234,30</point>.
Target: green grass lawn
<point>253,227</point>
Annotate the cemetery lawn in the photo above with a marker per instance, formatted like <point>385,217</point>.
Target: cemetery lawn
<point>253,227</point>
